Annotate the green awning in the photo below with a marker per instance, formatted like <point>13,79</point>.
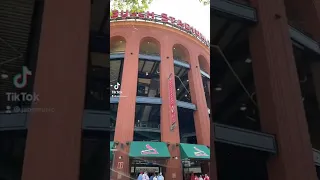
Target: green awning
<point>194,151</point>
<point>146,149</point>
<point>111,149</point>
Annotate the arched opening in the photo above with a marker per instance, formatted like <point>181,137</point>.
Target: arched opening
<point>149,46</point>
<point>205,74</point>
<point>117,44</point>
<point>181,55</point>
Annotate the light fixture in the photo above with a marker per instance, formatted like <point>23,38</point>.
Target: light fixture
<point>243,107</point>
<point>148,42</point>
<point>178,89</point>
<point>218,88</point>
<point>147,73</point>
<point>120,41</point>
<point>120,157</point>
<point>248,60</point>
<point>176,157</point>
<point>186,95</point>
<point>4,76</point>
<point>174,48</point>
<point>187,80</point>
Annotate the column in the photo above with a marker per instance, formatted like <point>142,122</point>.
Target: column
<point>54,138</point>
<point>124,129</point>
<point>174,168</point>
<point>278,93</point>
<point>201,115</point>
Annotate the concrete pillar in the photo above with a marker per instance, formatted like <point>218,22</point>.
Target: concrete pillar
<point>124,129</point>
<point>278,93</point>
<point>54,137</point>
<point>174,167</point>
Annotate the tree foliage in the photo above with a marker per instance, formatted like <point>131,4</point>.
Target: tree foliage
<point>138,5</point>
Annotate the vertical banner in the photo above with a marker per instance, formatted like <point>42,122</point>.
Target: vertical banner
<point>171,103</point>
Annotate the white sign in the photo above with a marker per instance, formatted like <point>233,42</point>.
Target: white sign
<point>145,169</point>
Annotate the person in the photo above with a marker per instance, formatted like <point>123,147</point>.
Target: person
<point>140,176</point>
<point>192,177</point>
<point>196,177</point>
<point>155,177</point>
<point>200,177</point>
<point>145,176</point>
<point>160,177</point>
<point>152,175</point>
<point>206,177</point>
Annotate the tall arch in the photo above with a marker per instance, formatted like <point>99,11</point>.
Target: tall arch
<point>149,46</point>
<point>203,63</point>
<point>117,44</point>
<point>180,53</point>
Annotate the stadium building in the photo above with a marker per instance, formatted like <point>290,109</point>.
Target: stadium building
<point>264,108</point>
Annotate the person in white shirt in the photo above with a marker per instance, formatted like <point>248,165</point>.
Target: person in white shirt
<point>155,177</point>
<point>200,177</point>
<point>145,176</point>
<point>160,177</point>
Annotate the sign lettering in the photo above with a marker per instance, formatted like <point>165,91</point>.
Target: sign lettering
<point>172,104</point>
<point>163,18</point>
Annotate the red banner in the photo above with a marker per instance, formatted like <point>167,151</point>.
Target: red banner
<point>172,104</point>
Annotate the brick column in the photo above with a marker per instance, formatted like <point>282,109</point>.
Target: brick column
<point>54,138</point>
<point>201,116</point>
<point>124,129</point>
<point>173,166</point>
<point>278,93</point>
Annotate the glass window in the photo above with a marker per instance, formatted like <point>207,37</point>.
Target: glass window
<point>181,54</point>
<point>148,79</point>
<point>206,87</point>
<point>97,96</point>
<point>182,84</point>
<point>187,126</point>
<point>147,123</point>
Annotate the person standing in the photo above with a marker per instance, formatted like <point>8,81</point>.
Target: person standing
<point>196,177</point>
<point>200,177</point>
<point>192,177</point>
<point>145,176</point>
<point>140,176</point>
<point>155,177</point>
<point>160,177</point>
<point>206,177</point>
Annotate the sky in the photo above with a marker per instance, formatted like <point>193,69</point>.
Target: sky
<point>185,10</point>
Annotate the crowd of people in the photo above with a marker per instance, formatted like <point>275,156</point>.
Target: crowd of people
<point>150,176</point>
<point>193,176</point>
<point>156,176</point>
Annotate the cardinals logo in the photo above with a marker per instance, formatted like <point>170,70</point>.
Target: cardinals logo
<point>149,150</point>
<point>198,152</point>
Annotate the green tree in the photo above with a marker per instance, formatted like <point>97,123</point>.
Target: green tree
<point>138,5</point>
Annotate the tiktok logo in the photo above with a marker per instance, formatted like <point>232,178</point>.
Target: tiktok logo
<point>21,80</point>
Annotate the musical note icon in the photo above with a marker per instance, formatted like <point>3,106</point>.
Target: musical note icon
<point>116,87</point>
<point>23,77</point>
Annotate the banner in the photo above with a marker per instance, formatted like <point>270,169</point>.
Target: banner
<point>171,103</point>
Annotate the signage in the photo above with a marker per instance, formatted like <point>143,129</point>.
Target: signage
<point>171,104</point>
<point>199,152</point>
<point>146,169</point>
<point>120,165</point>
<point>149,150</point>
<point>163,18</point>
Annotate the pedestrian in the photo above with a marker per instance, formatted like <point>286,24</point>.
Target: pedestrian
<point>145,176</point>
<point>200,177</point>
<point>192,176</point>
<point>206,177</point>
<point>140,176</point>
<point>152,175</point>
<point>160,177</point>
<point>196,177</point>
<point>155,177</point>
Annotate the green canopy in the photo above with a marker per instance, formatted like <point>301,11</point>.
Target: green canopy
<point>194,151</point>
<point>111,149</point>
<point>146,149</point>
